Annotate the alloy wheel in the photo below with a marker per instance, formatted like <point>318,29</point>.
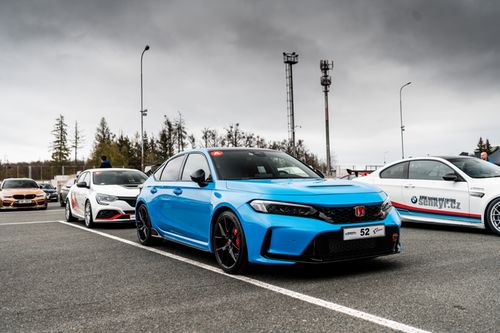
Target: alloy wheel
<point>227,241</point>
<point>143,225</point>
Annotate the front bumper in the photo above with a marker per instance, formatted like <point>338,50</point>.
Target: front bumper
<point>35,203</point>
<point>118,211</point>
<point>278,239</point>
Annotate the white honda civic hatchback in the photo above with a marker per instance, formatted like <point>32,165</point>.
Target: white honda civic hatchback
<point>104,195</point>
<point>449,190</point>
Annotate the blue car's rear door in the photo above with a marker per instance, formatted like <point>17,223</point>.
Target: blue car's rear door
<point>162,198</point>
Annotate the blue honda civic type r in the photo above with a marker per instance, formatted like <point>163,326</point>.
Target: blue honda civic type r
<point>263,206</point>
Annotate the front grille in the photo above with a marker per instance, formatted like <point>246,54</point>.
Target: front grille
<point>331,246</point>
<point>130,200</point>
<point>342,215</point>
<point>22,196</point>
<point>107,213</point>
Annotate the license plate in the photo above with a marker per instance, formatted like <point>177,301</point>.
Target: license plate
<point>364,232</point>
<point>25,201</point>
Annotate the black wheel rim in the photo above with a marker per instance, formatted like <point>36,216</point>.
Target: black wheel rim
<point>143,226</point>
<point>227,241</point>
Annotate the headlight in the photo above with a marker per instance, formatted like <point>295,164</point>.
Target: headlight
<point>105,199</point>
<point>283,208</point>
<point>385,208</point>
<point>42,195</point>
<point>6,196</point>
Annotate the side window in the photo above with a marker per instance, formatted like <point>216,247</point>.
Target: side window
<point>193,163</point>
<point>83,178</point>
<point>157,173</point>
<point>397,171</point>
<point>86,178</point>
<point>172,169</point>
<point>428,170</point>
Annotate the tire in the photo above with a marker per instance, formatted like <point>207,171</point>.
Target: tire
<point>61,202</point>
<point>45,207</point>
<point>89,220</point>
<point>143,225</point>
<point>68,214</point>
<point>492,216</point>
<point>229,244</point>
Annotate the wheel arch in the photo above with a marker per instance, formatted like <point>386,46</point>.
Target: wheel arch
<point>485,210</point>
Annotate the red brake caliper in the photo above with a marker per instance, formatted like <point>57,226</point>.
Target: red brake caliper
<point>237,241</point>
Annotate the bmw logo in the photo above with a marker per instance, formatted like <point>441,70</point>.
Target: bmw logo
<point>414,199</point>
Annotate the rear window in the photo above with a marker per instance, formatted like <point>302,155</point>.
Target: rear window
<point>398,171</point>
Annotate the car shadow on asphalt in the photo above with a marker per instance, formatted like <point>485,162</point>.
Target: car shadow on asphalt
<point>295,272</point>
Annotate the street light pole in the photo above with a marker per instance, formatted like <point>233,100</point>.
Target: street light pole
<point>401,118</point>
<point>143,114</point>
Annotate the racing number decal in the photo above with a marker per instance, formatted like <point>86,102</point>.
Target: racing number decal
<point>364,232</point>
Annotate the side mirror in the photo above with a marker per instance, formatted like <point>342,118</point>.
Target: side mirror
<point>452,177</point>
<point>199,177</point>
<point>81,184</point>
<point>40,186</point>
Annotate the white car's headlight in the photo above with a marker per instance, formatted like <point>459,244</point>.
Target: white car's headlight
<point>105,199</point>
<point>283,208</point>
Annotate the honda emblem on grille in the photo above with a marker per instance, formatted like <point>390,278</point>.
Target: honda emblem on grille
<point>359,211</point>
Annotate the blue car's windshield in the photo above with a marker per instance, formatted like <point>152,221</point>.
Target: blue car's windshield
<point>258,164</point>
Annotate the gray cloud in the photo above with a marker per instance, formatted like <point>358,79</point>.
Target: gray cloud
<point>220,62</point>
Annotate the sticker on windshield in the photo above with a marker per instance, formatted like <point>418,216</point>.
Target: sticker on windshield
<point>437,202</point>
<point>216,153</point>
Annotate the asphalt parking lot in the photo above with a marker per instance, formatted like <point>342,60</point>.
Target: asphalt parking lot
<point>57,276</point>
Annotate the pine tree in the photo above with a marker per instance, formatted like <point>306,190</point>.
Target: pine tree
<point>59,146</point>
<point>104,145</point>
<point>77,141</point>
<point>487,146</point>
<point>480,145</point>
<point>166,140</point>
<point>180,133</point>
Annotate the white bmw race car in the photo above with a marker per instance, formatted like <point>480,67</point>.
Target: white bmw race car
<point>104,195</point>
<point>449,190</point>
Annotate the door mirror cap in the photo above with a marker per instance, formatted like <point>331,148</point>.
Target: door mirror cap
<point>452,177</point>
<point>82,184</point>
<point>198,177</point>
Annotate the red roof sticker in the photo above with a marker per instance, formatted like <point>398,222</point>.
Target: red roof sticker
<point>216,153</point>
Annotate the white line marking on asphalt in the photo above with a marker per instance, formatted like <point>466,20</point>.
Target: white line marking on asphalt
<point>32,222</point>
<point>306,298</point>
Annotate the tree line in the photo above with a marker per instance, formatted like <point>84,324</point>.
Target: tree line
<point>125,151</point>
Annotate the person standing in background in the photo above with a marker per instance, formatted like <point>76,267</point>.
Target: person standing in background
<point>104,162</point>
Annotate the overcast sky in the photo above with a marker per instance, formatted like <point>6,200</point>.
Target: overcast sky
<point>220,62</point>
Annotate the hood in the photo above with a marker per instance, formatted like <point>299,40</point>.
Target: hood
<point>300,187</point>
<point>117,190</point>
<point>13,191</point>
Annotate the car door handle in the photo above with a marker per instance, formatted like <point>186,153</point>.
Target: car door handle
<point>154,190</point>
<point>177,191</point>
<point>409,186</point>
